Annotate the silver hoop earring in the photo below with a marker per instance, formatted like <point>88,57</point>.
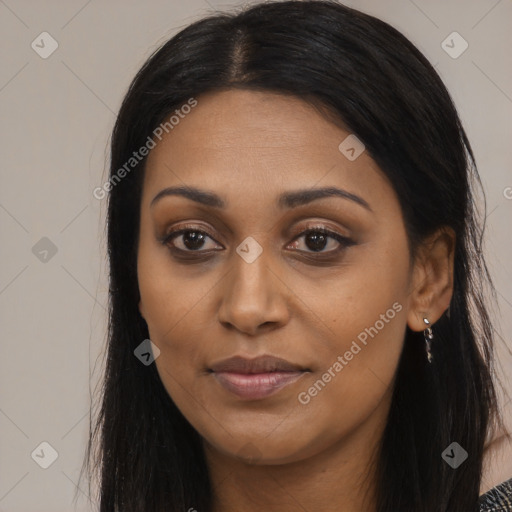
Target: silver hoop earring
<point>429,336</point>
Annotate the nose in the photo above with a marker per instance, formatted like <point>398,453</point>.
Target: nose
<point>254,298</point>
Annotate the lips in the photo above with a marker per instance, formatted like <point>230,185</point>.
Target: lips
<point>261,364</point>
<point>253,379</point>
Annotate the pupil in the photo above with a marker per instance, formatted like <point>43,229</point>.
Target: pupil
<point>193,240</point>
<point>317,240</point>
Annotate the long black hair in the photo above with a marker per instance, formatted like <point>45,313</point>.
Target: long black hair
<point>366,75</point>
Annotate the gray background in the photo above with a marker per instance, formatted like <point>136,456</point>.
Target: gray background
<point>57,114</point>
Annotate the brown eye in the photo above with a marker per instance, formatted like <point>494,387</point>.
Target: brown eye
<point>317,239</point>
<point>189,240</point>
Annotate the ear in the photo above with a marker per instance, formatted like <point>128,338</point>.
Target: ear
<point>432,279</point>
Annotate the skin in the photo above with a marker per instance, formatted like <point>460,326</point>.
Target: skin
<point>248,147</point>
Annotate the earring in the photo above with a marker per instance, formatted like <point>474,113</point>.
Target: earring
<point>429,336</point>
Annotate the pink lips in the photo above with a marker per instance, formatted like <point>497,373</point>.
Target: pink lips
<point>253,379</point>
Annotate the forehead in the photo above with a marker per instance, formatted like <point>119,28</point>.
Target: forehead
<point>259,144</point>
<point>251,121</point>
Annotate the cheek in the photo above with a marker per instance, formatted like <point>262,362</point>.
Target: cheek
<point>178,324</point>
<point>166,296</point>
<point>172,309</point>
<point>357,369</point>
<point>364,337</point>
<point>362,302</point>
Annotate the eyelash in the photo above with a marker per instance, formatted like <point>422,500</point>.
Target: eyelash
<point>342,240</point>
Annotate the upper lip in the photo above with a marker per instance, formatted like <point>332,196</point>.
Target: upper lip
<point>261,364</point>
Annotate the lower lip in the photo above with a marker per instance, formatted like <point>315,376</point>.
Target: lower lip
<point>253,386</point>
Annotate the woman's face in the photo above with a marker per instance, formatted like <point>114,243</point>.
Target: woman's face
<point>247,280</point>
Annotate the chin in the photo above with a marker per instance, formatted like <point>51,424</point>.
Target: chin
<point>259,451</point>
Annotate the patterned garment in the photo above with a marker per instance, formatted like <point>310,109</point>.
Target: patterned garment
<point>497,499</point>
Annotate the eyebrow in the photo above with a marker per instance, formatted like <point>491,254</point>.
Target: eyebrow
<point>290,199</point>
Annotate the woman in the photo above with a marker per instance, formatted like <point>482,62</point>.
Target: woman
<point>297,311</point>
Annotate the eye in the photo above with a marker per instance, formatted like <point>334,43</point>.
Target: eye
<point>189,239</point>
<point>316,239</point>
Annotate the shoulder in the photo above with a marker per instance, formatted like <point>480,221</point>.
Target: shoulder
<point>497,499</point>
